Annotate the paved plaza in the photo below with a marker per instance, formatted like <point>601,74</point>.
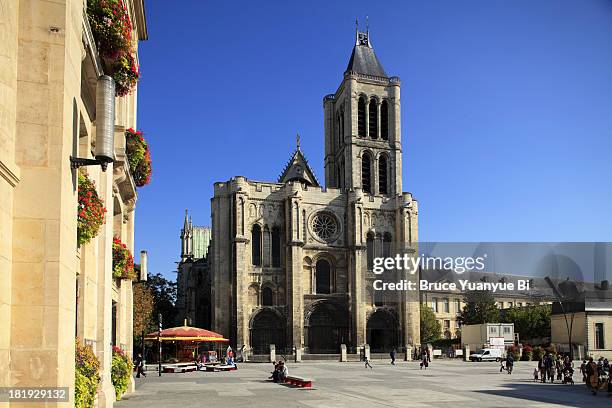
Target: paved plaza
<point>340,385</point>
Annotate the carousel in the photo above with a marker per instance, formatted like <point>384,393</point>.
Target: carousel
<point>185,348</point>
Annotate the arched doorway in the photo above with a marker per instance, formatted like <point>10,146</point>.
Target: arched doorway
<point>382,332</point>
<point>326,328</point>
<point>267,328</point>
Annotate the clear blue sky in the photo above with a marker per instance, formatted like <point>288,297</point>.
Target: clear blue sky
<point>506,109</point>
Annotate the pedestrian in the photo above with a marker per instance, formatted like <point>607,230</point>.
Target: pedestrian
<point>140,366</point>
<point>592,376</point>
<point>392,354</point>
<point>424,360</point>
<point>367,363</point>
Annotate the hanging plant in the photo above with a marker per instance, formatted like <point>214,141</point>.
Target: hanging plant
<point>123,261</point>
<point>139,157</point>
<point>125,72</point>
<point>86,376</point>
<point>110,26</point>
<point>121,370</point>
<point>90,211</point>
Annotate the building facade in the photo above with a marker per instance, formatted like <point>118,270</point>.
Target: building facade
<point>291,260</point>
<point>52,290</point>
<point>193,284</point>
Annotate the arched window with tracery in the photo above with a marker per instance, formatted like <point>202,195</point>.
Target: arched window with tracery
<point>276,247</point>
<point>267,297</point>
<point>384,120</point>
<point>323,277</point>
<point>366,178</point>
<point>370,250</point>
<point>361,117</point>
<point>373,119</point>
<point>382,175</point>
<point>256,245</point>
<point>386,249</point>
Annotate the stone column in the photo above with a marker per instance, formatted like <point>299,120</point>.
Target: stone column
<point>9,172</point>
<point>343,356</point>
<point>240,246</point>
<point>272,353</point>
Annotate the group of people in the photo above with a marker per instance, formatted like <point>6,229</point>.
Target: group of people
<point>280,372</point>
<point>596,374</point>
<point>551,366</point>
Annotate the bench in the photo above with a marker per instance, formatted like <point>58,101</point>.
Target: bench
<point>298,381</point>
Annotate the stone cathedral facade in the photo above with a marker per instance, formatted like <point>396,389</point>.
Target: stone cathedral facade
<point>290,261</point>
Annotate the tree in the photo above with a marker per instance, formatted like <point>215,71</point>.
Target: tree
<point>530,322</point>
<point>479,308</point>
<point>430,326</point>
<point>164,298</point>
<point>143,309</point>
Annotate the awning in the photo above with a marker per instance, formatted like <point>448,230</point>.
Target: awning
<point>187,333</point>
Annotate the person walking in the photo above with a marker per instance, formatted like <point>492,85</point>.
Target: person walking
<point>592,376</point>
<point>367,363</point>
<point>392,354</point>
<point>140,366</point>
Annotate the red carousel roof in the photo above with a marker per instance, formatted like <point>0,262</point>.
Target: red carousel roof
<point>187,333</point>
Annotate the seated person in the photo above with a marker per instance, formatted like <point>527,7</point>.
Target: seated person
<point>284,372</point>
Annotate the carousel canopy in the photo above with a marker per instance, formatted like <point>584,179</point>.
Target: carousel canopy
<point>187,333</point>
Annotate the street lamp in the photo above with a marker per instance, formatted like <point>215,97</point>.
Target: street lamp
<point>159,330</point>
<point>569,325</point>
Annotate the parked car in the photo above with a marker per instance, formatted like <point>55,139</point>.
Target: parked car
<point>487,355</point>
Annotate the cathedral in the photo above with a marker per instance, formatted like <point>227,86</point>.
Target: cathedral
<point>290,262</point>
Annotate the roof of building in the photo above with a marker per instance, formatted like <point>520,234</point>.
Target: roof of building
<point>363,59</point>
<point>298,169</point>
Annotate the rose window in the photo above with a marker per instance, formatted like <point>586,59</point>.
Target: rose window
<point>325,226</point>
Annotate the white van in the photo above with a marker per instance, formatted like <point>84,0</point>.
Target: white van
<point>487,355</point>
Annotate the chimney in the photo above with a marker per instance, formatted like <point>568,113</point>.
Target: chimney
<point>143,266</point>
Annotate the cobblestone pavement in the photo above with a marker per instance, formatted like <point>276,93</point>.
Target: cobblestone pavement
<point>350,385</point>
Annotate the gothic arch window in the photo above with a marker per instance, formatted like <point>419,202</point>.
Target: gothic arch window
<point>323,277</point>
<point>370,250</point>
<point>266,246</point>
<point>253,295</point>
<point>267,297</point>
<point>256,245</point>
<point>361,117</point>
<point>384,120</point>
<point>276,247</point>
<point>366,164</point>
<point>373,119</point>
<point>386,249</point>
<point>341,138</point>
<point>382,175</point>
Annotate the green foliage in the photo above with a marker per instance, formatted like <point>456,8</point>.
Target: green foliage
<point>90,211</point>
<point>479,308</point>
<point>529,322</point>
<point>111,27</point>
<point>87,379</point>
<point>527,353</point>
<point>430,326</point>
<point>538,352</point>
<point>121,371</point>
<point>164,298</point>
<point>445,343</point>
<point>125,73</point>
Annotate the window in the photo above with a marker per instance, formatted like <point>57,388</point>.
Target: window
<point>370,250</point>
<point>323,277</point>
<point>361,121</point>
<point>267,297</point>
<point>457,306</point>
<point>256,245</point>
<point>599,336</point>
<point>325,226</point>
<point>276,244</point>
<point>434,304</point>
<point>366,185</point>
<point>382,175</point>
<point>384,120</point>
<point>446,306</point>
<point>386,249</point>
<point>373,119</point>
<point>506,330</point>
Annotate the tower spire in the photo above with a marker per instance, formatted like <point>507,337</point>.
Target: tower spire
<point>356,31</point>
<point>297,141</point>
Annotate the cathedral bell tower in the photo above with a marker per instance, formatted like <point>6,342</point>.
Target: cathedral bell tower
<point>362,126</point>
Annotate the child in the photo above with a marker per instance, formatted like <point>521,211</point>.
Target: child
<point>535,374</point>
<point>367,363</point>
